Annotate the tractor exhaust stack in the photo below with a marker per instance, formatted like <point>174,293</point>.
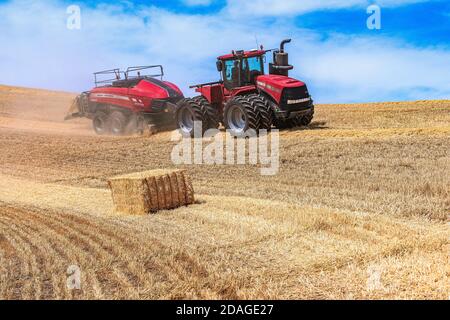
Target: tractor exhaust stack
<point>280,65</point>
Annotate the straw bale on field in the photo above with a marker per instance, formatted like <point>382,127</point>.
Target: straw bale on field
<point>146,192</point>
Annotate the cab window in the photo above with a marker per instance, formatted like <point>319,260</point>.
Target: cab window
<point>241,72</point>
<point>251,67</point>
<point>232,73</point>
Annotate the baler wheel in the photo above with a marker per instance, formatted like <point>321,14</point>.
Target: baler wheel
<point>136,124</point>
<point>140,124</point>
<point>100,123</point>
<point>118,122</point>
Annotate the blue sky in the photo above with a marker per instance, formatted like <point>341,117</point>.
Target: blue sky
<point>332,49</point>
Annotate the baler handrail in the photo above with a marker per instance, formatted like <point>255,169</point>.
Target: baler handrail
<point>108,71</point>
<point>140,68</point>
<point>117,76</point>
<point>125,75</point>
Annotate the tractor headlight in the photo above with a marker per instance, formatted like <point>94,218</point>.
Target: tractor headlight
<point>298,101</point>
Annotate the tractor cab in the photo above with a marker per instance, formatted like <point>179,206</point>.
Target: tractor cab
<point>241,68</point>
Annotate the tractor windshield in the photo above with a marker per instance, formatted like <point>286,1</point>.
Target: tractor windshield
<point>251,68</point>
<point>242,72</point>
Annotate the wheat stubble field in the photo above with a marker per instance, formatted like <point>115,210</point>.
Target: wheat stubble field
<point>358,210</point>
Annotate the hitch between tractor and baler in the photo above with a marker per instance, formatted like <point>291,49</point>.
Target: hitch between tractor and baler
<point>79,107</point>
<point>195,86</point>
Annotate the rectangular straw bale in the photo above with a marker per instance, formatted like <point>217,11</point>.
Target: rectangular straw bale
<point>174,188</point>
<point>189,189</point>
<point>161,192</point>
<point>181,188</point>
<point>143,192</point>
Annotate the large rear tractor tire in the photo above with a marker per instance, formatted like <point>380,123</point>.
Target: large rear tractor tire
<point>262,106</point>
<point>240,115</point>
<point>100,123</point>
<point>118,122</point>
<point>210,111</point>
<point>188,113</point>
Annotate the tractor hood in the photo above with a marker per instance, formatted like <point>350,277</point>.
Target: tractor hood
<point>275,84</point>
<point>280,82</point>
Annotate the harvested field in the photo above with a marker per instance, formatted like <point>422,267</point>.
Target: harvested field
<point>358,210</point>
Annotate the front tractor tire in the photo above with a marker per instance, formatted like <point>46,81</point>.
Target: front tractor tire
<point>299,121</point>
<point>189,112</point>
<point>240,115</point>
<point>306,120</point>
<point>100,123</point>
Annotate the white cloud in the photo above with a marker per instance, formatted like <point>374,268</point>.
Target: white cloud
<point>41,52</point>
<point>197,2</point>
<point>296,7</point>
<point>364,69</point>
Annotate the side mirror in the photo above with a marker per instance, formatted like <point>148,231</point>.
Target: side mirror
<point>219,65</point>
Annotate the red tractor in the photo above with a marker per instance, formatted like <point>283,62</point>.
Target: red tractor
<point>247,98</point>
<point>125,102</point>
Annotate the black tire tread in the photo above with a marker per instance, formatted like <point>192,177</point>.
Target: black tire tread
<point>262,106</point>
<point>209,112</point>
<point>104,115</point>
<point>253,115</point>
<point>198,111</point>
<point>295,122</point>
<point>306,120</point>
<point>124,118</point>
